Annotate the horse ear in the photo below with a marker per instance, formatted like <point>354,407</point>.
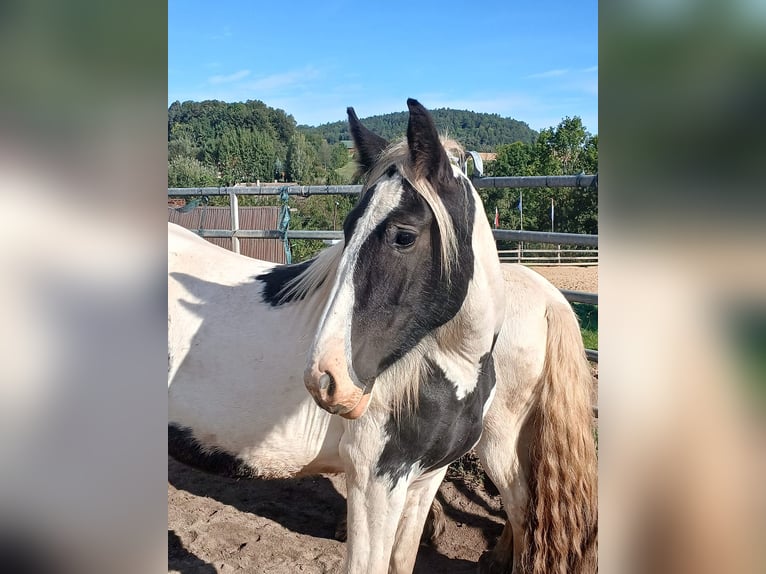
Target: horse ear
<point>368,145</point>
<point>426,151</point>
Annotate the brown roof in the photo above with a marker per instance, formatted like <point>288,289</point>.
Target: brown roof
<point>249,218</point>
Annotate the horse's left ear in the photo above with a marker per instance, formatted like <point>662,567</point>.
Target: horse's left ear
<point>426,151</point>
<point>368,144</point>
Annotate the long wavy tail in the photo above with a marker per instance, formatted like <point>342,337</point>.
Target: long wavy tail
<point>562,521</point>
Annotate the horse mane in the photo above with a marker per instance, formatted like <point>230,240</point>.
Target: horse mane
<point>315,275</point>
<point>326,263</point>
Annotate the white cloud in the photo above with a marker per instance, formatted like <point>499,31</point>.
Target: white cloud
<point>550,73</point>
<point>283,80</point>
<point>591,69</point>
<point>241,86</point>
<point>235,77</point>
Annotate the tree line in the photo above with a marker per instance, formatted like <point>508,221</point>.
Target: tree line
<point>566,149</point>
<point>214,143</point>
<point>475,131</point>
<point>219,143</point>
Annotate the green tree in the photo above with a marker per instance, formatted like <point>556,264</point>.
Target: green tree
<point>562,150</point>
<point>566,149</point>
<point>300,165</point>
<point>512,159</point>
<point>190,172</point>
<point>318,212</point>
<point>228,158</point>
<point>590,155</point>
<point>182,146</point>
<point>339,156</point>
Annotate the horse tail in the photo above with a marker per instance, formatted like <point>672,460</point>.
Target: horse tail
<point>562,515</point>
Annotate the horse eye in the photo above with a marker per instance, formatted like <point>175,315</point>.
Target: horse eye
<point>404,238</point>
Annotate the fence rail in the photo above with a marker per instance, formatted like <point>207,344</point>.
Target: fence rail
<point>301,190</point>
<point>581,180</point>
<point>271,234</point>
<point>499,234</point>
<point>580,297</point>
<point>549,256</point>
<point>546,237</point>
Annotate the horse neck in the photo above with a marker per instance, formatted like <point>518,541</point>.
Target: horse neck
<point>312,289</point>
<point>484,305</point>
<point>308,310</point>
<point>456,348</point>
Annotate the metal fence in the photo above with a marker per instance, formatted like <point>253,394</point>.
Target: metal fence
<point>557,181</point>
<point>549,257</point>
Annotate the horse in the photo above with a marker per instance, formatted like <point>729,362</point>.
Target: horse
<point>386,357</point>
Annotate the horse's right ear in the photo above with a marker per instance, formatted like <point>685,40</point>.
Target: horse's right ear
<point>368,145</point>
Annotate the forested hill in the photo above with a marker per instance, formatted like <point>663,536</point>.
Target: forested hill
<point>473,130</point>
<point>214,142</point>
<point>209,120</point>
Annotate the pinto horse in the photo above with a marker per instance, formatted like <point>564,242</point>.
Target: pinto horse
<point>415,345</point>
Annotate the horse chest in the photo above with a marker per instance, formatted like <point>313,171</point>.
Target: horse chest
<point>442,428</point>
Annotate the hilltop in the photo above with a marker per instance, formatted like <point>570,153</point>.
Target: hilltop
<point>474,130</point>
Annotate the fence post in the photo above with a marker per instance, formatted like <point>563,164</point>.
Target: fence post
<point>558,252</point>
<point>234,204</point>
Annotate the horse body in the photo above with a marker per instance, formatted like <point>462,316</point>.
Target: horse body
<point>236,369</point>
<point>537,445</point>
<point>416,336</point>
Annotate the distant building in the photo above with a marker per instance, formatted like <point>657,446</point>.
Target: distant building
<point>349,146</point>
<point>209,217</point>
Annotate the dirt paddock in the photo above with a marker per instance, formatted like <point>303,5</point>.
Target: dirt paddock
<point>220,525</point>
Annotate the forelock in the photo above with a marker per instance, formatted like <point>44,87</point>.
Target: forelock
<point>397,155</point>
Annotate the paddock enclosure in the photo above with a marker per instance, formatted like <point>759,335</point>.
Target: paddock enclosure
<point>217,524</point>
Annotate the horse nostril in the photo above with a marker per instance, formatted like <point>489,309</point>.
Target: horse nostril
<point>326,381</point>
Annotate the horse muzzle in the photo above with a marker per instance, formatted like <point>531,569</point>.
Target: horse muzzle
<point>335,392</point>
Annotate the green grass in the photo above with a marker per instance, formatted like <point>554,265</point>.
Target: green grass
<point>747,331</point>
<point>348,171</point>
<point>590,339</point>
<point>588,317</point>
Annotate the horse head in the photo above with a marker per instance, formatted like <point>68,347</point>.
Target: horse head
<point>419,268</point>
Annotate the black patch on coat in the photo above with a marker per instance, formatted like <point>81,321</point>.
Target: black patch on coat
<point>401,296</point>
<point>441,430</point>
<point>275,280</point>
<point>183,447</point>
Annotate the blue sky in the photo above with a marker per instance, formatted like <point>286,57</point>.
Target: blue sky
<point>535,61</point>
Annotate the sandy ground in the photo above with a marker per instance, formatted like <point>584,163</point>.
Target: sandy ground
<point>571,278</point>
<point>221,525</point>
